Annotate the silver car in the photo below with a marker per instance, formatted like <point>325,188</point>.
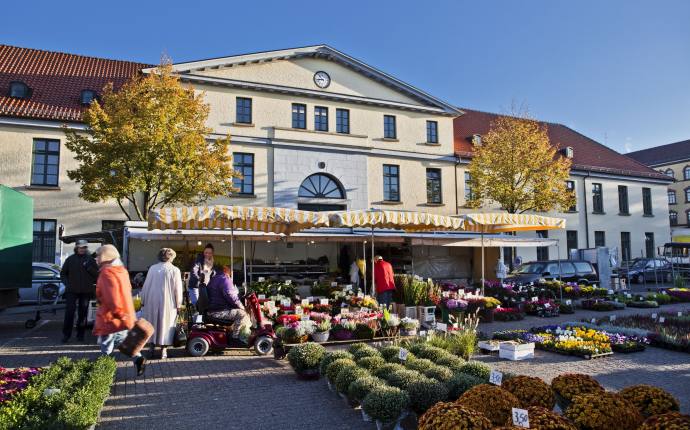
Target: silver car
<point>45,280</point>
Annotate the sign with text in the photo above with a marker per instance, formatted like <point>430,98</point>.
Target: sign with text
<point>520,418</point>
<point>402,355</point>
<point>568,302</point>
<point>262,279</point>
<point>612,318</point>
<point>441,326</point>
<point>662,320</point>
<point>654,315</point>
<point>323,301</point>
<point>495,377</point>
<point>262,296</point>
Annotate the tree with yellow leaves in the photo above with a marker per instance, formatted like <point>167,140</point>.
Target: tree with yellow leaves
<point>145,147</point>
<point>518,168</point>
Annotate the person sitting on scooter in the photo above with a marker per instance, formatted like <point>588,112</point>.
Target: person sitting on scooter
<point>224,302</point>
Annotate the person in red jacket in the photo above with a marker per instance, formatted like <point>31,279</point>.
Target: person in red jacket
<point>385,283</point>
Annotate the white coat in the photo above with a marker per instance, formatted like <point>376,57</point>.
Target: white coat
<point>160,299</point>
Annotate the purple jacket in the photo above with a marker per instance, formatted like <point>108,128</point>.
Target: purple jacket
<point>222,294</point>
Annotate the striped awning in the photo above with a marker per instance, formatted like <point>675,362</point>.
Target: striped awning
<point>496,222</point>
<point>408,221</point>
<point>222,217</point>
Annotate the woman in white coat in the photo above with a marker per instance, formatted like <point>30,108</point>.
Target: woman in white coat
<point>161,300</point>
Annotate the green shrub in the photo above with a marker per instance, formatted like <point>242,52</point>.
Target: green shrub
<point>336,366</point>
<point>643,304</point>
<point>419,364</point>
<point>403,378</point>
<point>426,393</point>
<point>385,403</point>
<point>330,357</point>
<point>452,362</point>
<point>360,387</point>
<point>388,368</point>
<point>461,382</point>
<point>660,298</point>
<point>432,353</point>
<point>476,369</point>
<point>462,343</point>
<point>371,363</point>
<point>306,356</point>
<point>347,376</point>
<point>442,374</point>
<point>392,354</point>
<point>365,351</point>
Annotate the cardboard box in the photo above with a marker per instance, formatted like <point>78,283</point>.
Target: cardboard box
<point>516,351</point>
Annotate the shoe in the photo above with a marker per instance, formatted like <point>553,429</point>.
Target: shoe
<point>65,339</point>
<point>140,363</point>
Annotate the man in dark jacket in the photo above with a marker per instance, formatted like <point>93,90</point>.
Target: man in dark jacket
<point>79,273</point>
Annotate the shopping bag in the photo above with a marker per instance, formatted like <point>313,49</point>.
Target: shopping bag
<point>180,338</point>
<point>136,338</point>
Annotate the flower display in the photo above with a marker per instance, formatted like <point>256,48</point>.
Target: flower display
<point>508,314</point>
<point>425,393</point>
<point>544,418</point>
<point>330,357</point>
<point>13,381</point>
<point>493,402</point>
<point>569,385</point>
<point>650,400</point>
<point>573,340</point>
<point>603,411</point>
<point>453,304</point>
<point>530,391</point>
<point>306,357</point>
<point>451,416</point>
<point>385,403</point>
<point>671,420</point>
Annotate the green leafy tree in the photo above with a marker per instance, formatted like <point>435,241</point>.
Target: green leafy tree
<point>145,147</point>
<point>517,167</point>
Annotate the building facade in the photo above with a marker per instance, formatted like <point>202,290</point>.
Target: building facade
<point>672,160</point>
<point>311,128</point>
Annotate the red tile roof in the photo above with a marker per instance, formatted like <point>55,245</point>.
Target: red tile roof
<point>665,154</point>
<point>56,80</point>
<point>588,154</point>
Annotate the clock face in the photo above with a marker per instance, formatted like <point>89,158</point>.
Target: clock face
<point>321,79</point>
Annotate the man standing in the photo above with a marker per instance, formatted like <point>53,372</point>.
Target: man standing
<point>385,283</point>
<point>79,275</point>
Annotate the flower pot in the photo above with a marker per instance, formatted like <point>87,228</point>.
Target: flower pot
<point>320,336</point>
<point>412,332</point>
<point>342,335</point>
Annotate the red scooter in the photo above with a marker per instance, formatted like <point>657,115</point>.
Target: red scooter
<point>215,335</point>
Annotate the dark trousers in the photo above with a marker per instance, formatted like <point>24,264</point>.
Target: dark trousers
<point>76,302</point>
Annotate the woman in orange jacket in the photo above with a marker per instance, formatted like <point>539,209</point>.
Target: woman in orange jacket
<point>115,315</point>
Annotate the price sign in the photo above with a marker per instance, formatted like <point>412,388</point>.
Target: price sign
<point>311,299</point>
<point>535,299</point>
<point>262,296</point>
<point>298,309</point>
<point>445,294</point>
<point>360,295</point>
<point>568,302</point>
<point>441,327</point>
<point>547,305</point>
<point>262,279</point>
<point>305,302</point>
<point>348,287</point>
<point>495,377</point>
<point>654,315</point>
<point>612,318</point>
<point>680,314</point>
<point>610,292</point>
<point>402,355</point>
<point>594,320</point>
<point>286,302</point>
<point>288,282</point>
<point>304,317</point>
<point>662,320</point>
<point>323,301</point>
<point>334,284</point>
<point>520,418</point>
<point>628,295</point>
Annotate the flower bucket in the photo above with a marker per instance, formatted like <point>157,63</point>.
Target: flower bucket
<point>320,336</point>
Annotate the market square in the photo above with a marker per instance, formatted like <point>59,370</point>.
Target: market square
<point>304,231</point>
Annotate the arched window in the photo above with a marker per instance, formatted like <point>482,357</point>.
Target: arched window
<point>321,186</point>
<point>687,195</point>
<point>686,173</point>
<point>687,217</point>
<point>669,173</point>
<point>673,217</point>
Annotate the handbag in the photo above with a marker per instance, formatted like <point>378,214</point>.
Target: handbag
<point>136,338</point>
<point>180,338</point>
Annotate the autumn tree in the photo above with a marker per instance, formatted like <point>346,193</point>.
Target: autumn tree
<point>517,167</point>
<point>145,146</point>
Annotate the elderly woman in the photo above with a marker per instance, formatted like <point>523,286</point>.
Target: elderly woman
<point>161,299</point>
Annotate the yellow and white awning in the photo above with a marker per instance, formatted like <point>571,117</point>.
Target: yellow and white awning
<point>222,217</point>
<point>496,222</point>
<point>403,220</point>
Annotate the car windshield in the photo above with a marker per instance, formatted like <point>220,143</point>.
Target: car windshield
<point>530,268</point>
<point>638,264</point>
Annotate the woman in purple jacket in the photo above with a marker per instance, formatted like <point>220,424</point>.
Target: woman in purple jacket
<point>224,303</point>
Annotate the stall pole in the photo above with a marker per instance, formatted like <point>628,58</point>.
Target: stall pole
<point>558,253</point>
<point>482,236</point>
<point>364,257</point>
<point>373,283</point>
<point>232,249</point>
<point>244,263</point>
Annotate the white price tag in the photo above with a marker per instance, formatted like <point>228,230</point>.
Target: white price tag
<point>402,355</point>
<point>323,301</point>
<point>360,295</point>
<point>568,302</point>
<point>520,418</point>
<point>286,302</point>
<point>495,377</point>
<point>334,284</point>
<point>610,292</point>
<point>547,305</point>
<point>680,314</point>
<point>534,299</point>
<point>594,320</point>
<point>304,317</point>
<point>311,299</point>
<point>628,295</point>
<point>654,315</point>
<point>305,302</point>
<point>288,282</point>
<point>612,318</point>
<point>262,279</point>
<point>262,296</point>
<point>441,327</point>
<point>298,309</point>
<point>662,320</point>
<point>445,294</point>
<point>348,287</point>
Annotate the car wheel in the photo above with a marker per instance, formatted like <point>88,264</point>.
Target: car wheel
<point>197,347</point>
<point>263,345</point>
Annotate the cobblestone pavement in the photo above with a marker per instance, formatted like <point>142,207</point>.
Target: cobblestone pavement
<point>238,390</point>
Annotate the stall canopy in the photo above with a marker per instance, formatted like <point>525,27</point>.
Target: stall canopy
<point>513,242</point>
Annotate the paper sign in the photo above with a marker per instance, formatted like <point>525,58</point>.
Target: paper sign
<point>402,355</point>
<point>262,296</point>
<point>323,301</point>
<point>610,292</point>
<point>304,317</point>
<point>360,295</point>
<point>680,314</point>
<point>286,302</point>
<point>661,320</point>
<point>495,377</point>
<point>520,418</point>
<point>594,320</point>
<point>298,309</point>
<point>348,287</point>
<point>311,299</point>
<point>288,282</point>
<point>334,284</point>
<point>568,302</point>
<point>654,316</point>
<point>262,279</point>
<point>628,295</point>
<point>547,305</point>
<point>534,299</point>
<point>441,326</point>
<point>305,302</point>
<point>445,294</point>
<point>612,318</point>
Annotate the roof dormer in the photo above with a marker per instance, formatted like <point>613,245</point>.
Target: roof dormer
<point>19,90</point>
<point>87,97</point>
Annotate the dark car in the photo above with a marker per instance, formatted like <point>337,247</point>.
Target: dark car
<point>581,272</point>
<point>641,270</point>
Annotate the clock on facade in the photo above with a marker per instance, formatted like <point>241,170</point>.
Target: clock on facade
<point>321,79</point>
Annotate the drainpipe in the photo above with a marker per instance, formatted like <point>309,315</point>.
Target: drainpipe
<point>584,186</point>
<point>457,161</point>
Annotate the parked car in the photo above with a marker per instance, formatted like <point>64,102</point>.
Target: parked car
<point>581,272</point>
<point>641,270</point>
<point>45,279</point>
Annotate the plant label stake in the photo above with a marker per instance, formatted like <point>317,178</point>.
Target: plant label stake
<point>441,326</point>
<point>654,316</point>
<point>262,296</point>
<point>612,318</point>
<point>402,355</point>
<point>520,418</point>
<point>496,377</point>
<point>323,302</point>
<point>535,299</point>
<point>262,279</point>
<point>305,302</point>
<point>680,314</point>
<point>662,320</point>
<point>568,302</point>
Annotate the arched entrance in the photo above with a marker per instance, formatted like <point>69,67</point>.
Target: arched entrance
<point>321,192</point>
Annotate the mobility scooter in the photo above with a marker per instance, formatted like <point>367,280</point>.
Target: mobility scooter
<point>213,334</point>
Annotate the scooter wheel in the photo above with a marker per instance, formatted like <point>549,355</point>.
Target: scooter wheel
<point>263,345</point>
<point>197,347</point>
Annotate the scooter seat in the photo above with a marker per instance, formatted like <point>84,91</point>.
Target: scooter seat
<point>208,319</point>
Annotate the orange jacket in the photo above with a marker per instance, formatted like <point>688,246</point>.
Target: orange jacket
<point>383,276</point>
<point>116,307</point>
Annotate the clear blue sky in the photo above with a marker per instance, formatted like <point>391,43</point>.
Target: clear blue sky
<point>615,70</point>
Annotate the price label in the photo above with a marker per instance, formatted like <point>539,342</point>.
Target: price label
<point>520,418</point>
<point>612,318</point>
<point>610,292</point>
<point>262,296</point>
<point>628,295</point>
<point>495,377</point>
<point>662,320</point>
<point>360,295</point>
<point>262,279</point>
<point>441,327</point>
<point>288,282</point>
<point>594,320</point>
<point>535,299</point>
<point>568,302</point>
<point>547,305</point>
<point>654,315</point>
<point>305,302</point>
<point>311,299</point>
<point>348,287</point>
<point>334,284</point>
<point>680,314</point>
<point>323,301</point>
<point>285,302</point>
<point>402,355</point>
<point>304,317</point>
<point>445,294</point>
<point>298,309</point>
